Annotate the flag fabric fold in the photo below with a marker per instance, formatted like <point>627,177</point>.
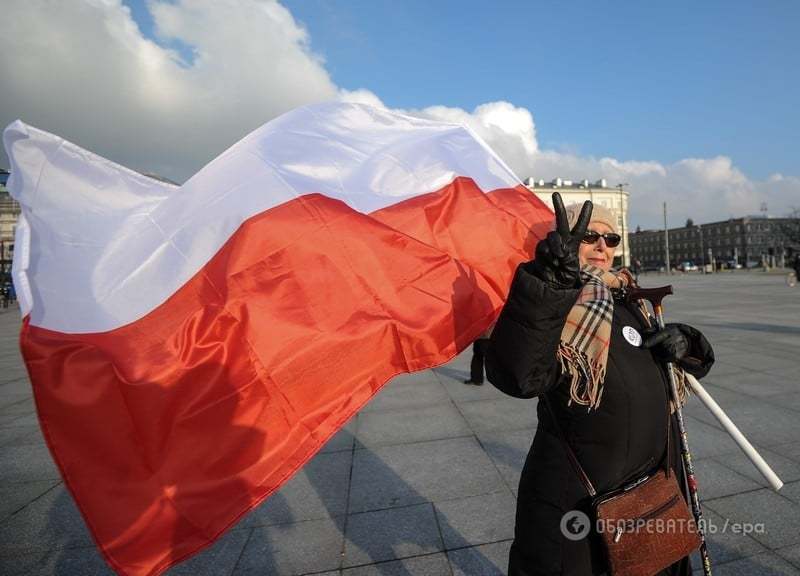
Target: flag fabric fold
<point>191,347</point>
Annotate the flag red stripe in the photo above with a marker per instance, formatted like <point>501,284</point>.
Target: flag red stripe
<point>167,430</point>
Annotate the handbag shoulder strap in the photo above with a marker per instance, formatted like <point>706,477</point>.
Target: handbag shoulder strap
<point>570,454</point>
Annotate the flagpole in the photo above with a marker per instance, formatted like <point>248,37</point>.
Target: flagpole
<point>766,471</point>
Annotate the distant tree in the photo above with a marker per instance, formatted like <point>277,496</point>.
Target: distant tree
<point>689,222</point>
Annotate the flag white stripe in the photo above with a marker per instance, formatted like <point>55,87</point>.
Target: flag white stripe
<point>104,245</point>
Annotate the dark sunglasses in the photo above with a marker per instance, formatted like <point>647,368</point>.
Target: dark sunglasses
<point>612,240</point>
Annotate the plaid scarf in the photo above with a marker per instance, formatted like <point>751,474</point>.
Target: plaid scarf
<point>585,339</point>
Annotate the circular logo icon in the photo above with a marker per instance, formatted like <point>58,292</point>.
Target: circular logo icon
<point>575,525</point>
<point>632,336</point>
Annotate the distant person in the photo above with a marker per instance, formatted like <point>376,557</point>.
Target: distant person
<point>478,356</point>
<point>637,267</point>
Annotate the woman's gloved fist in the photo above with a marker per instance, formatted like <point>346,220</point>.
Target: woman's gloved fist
<point>556,260</point>
<point>669,344</point>
<point>682,345</point>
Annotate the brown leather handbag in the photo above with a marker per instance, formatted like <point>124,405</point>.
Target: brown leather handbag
<point>645,525</point>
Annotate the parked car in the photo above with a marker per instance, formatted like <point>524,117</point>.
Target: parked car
<point>688,267</point>
<point>732,265</point>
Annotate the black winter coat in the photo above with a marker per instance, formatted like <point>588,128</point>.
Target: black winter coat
<point>618,442</point>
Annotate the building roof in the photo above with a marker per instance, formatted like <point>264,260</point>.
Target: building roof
<point>562,183</point>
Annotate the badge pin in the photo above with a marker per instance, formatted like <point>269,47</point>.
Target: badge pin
<point>632,336</point>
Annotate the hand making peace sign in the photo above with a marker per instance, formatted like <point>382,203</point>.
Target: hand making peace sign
<point>557,253</point>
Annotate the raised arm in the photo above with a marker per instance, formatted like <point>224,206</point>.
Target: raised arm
<point>521,358</point>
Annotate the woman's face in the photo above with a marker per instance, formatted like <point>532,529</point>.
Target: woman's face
<point>597,254</point>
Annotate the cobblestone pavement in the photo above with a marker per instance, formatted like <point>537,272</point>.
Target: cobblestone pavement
<point>423,480</point>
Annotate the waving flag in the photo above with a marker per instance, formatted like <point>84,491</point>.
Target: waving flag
<point>190,347</point>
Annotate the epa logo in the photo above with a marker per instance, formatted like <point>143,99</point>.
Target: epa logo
<point>575,525</point>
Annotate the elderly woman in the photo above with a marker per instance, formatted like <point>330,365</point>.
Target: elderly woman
<point>607,392</point>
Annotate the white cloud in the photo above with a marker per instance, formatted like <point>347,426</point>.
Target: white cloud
<point>83,70</point>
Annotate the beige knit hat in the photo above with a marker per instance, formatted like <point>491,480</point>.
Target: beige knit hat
<point>599,214</point>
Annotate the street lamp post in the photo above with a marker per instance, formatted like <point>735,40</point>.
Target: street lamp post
<point>622,218</point>
<point>702,250</point>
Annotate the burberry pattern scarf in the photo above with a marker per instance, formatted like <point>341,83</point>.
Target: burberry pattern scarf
<point>585,339</point>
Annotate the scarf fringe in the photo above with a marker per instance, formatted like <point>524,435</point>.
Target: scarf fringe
<point>680,384</point>
<point>586,376</point>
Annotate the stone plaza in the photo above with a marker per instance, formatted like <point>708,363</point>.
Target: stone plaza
<point>423,480</point>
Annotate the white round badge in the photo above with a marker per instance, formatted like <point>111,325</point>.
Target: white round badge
<point>632,336</point>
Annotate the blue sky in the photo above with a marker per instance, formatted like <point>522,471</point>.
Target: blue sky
<point>633,80</point>
<point>691,103</point>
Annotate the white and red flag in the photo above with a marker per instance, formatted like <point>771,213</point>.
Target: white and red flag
<point>190,347</point>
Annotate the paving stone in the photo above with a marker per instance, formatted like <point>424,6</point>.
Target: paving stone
<point>218,560</point>
<point>30,419</point>
<point>791,490</point>
<point>722,367</point>
<point>791,371</point>
<point>14,497</point>
<point>706,441</point>
<point>403,426</point>
<point>759,384</point>
<point>408,391</point>
<point>7,420</point>
<point>85,561</point>
<point>767,564</point>
<point>724,544</point>
<point>316,492</point>
<point>500,414</point>
<point>761,361</point>
<point>22,406</point>
<point>48,523</point>
<point>791,554</point>
<point>508,451</point>
<point>715,479</point>
<point>18,386</point>
<point>787,469</point>
<point>292,549</point>
<point>476,520</point>
<point>26,463</point>
<point>779,516</point>
<point>429,565</point>
<point>390,534</point>
<point>21,435</point>
<point>16,403</point>
<point>343,439</point>
<point>423,472</point>
<point>486,560</point>
<point>788,400</point>
<point>727,399</point>
<point>765,424</point>
<point>13,371</point>
<point>790,450</point>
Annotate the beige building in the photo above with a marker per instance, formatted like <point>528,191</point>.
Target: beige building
<point>575,191</point>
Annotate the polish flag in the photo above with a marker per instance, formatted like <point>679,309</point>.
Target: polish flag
<point>191,347</point>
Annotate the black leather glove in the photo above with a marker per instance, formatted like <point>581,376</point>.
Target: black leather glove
<point>682,345</point>
<point>556,260</point>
